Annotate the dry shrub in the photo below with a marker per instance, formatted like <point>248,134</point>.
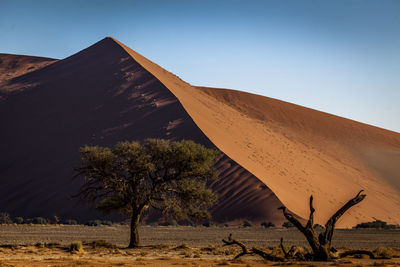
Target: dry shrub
<point>384,252</point>
<point>39,245</point>
<point>186,254</point>
<point>76,247</point>
<point>183,246</point>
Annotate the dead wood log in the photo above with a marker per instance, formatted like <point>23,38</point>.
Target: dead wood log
<point>246,251</point>
<point>321,244</point>
<point>370,254</point>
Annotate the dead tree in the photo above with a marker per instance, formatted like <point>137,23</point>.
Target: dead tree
<point>321,244</point>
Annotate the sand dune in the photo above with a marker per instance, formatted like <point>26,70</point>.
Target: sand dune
<point>296,151</point>
<point>273,152</point>
<point>15,65</point>
<point>99,96</point>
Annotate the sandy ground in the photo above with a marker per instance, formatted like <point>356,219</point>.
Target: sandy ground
<point>47,245</point>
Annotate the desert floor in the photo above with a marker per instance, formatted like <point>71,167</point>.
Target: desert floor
<point>47,245</point>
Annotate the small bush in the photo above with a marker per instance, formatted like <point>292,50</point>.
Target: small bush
<point>93,223</point>
<point>76,247</point>
<point>39,245</point>
<point>108,223</point>
<point>170,223</point>
<point>247,224</point>
<point>39,220</point>
<point>377,224</point>
<point>267,224</point>
<point>208,224</point>
<point>71,222</point>
<point>5,218</point>
<point>18,220</point>
<point>55,220</point>
<point>287,224</point>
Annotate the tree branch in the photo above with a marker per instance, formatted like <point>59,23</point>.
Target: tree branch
<point>310,222</point>
<point>246,251</point>
<point>361,252</point>
<point>292,219</point>
<point>330,225</point>
<point>283,249</point>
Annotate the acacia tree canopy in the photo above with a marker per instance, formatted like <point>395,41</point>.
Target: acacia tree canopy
<point>132,176</point>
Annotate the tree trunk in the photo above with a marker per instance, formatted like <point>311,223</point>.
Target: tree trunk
<point>134,239</point>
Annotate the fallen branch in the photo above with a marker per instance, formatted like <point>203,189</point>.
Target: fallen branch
<point>361,252</point>
<point>246,251</point>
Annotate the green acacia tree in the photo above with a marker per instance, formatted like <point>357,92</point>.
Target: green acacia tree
<point>132,177</point>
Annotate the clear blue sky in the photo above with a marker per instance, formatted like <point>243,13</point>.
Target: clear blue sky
<point>338,56</point>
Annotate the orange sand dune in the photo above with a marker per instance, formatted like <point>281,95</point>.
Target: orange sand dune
<point>297,151</point>
<point>273,152</point>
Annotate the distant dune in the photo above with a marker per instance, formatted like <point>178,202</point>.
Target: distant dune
<point>273,152</point>
<point>15,65</point>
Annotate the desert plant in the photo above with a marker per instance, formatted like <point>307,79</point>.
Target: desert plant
<point>377,224</point>
<point>108,223</point>
<point>171,222</point>
<point>133,176</point>
<point>93,223</point>
<point>208,224</point>
<point>5,218</point>
<point>76,247</point>
<point>56,219</point>
<point>39,220</point>
<point>71,222</point>
<point>18,220</point>
<point>287,225</point>
<point>267,224</point>
<point>247,224</point>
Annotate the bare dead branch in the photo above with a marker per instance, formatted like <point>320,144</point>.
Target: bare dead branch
<point>292,219</point>
<point>361,252</point>
<point>310,222</point>
<point>330,225</point>
<point>246,251</point>
<point>283,249</point>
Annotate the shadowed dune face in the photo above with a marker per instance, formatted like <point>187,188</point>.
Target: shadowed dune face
<point>99,96</point>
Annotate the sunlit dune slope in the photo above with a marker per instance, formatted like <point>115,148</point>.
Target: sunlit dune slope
<point>99,96</point>
<point>296,151</point>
